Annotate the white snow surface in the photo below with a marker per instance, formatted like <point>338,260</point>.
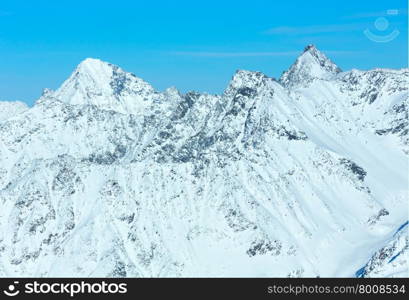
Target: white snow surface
<point>9,109</point>
<point>305,176</point>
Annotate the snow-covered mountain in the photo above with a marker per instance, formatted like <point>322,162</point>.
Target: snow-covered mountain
<point>10,108</point>
<point>304,176</point>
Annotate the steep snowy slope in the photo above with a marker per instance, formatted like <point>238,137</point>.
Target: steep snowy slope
<point>107,86</point>
<point>392,259</point>
<point>302,177</point>
<point>310,66</point>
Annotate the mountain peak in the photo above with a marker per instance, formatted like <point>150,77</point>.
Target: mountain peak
<point>103,84</point>
<point>243,78</point>
<point>94,68</point>
<point>310,47</point>
<point>92,61</point>
<point>318,57</point>
<point>89,61</point>
<point>311,64</point>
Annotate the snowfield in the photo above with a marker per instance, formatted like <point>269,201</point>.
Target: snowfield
<point>303,176</point>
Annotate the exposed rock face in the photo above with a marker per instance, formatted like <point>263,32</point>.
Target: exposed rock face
<point>305,176</point>
<point>392,259</point>
<point>309,66</point>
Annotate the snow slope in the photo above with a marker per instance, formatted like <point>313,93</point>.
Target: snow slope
<point>392,259</point>
<point>9,109</point>
<point>305,176</point>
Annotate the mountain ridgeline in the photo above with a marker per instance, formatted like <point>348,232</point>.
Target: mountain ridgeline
<point>302,176</point>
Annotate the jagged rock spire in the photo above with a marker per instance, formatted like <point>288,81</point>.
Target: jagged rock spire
<point>311,64</point>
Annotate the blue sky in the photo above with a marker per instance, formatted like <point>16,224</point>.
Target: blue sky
<point>193,45</point>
